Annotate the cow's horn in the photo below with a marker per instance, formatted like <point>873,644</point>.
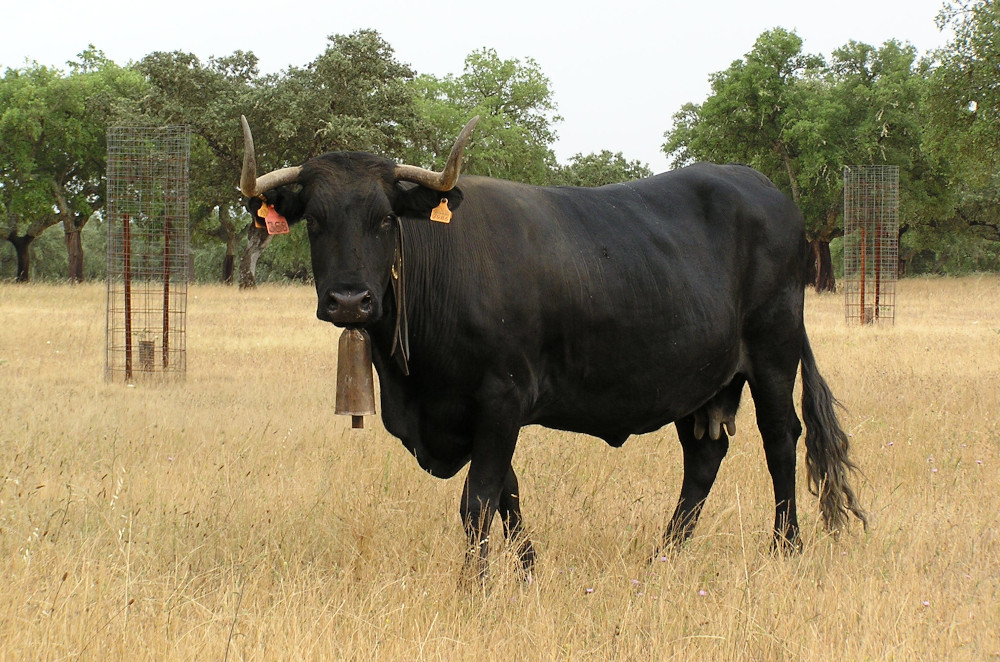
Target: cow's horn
<point>250,183</point>
<point>444,180</point>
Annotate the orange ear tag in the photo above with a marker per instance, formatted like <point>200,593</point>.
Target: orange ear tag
<point>441,213</point>
<point>275,222</point>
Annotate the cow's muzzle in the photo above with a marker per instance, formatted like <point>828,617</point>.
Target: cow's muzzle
<point>348,307</point>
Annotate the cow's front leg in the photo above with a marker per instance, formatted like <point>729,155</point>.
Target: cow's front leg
<point>489,474</point>
<point>510,514</point>
<point>481,497</point>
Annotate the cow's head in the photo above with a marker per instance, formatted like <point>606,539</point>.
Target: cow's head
<point>351,203</point>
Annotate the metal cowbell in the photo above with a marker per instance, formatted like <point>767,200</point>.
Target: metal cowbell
<point>355,386</point>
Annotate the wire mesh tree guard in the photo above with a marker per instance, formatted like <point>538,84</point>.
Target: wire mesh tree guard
<point>147,255</point>
<point>871,243</point>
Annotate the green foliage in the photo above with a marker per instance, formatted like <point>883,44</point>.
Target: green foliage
<point>208,98</point>
<point>48,258</point>
<point>963,99</point>
<point>766,111</point>
<point>355,96</point>
<point>287,259</point>
<point>599,169</point>
<point>27,194</point>
<point>753,102</point>
<point>52,141</point>
<point>797,117</point>
<point>95,243</point>
<point>964,91</point>
<point>881,92</point>
<point>800,120</point>
<point>47,142</point>
<point>514,102</point>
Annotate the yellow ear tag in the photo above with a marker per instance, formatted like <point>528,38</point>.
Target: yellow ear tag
<point>261,214</point>
<point>441,213</point>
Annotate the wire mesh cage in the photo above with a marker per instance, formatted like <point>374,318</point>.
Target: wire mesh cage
<point>871,243</point>
<point>147,255</point>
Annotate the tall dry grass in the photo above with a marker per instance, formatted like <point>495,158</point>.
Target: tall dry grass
<point>233,516</point>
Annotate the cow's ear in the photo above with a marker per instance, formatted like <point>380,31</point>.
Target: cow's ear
<point>286,202</point>
<point>419,200</point>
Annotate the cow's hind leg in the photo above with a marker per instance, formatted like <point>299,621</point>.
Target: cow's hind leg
<point>510,513</point>
<point>704,438</point>
<point>779,429</point>
<point>702,458</point>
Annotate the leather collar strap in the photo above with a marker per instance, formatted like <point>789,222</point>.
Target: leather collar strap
<point>400,335</point>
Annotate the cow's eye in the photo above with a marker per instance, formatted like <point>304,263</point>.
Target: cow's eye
<point>311,225</point>
<point>385,225</point>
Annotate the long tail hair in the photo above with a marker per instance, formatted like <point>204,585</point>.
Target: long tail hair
<point>827,459</point>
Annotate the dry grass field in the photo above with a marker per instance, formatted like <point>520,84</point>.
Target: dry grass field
<point>233,517</point>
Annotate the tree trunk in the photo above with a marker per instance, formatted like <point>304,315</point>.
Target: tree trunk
<point>821,266</point>
<point>789,170</point>
<point>74,252</point>
<point>73,223</point>
<point>904,255</point>
<point>21,245</point>
<point>228,268</point>
<point>227,232</point>
<point>257,239</point>
<point>23,242</point>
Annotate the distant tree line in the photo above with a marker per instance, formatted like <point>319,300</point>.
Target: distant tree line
<point>799,118</point>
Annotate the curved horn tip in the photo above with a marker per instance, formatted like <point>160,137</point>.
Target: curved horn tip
<point>466,132</point>
<point>252,185</point>
<point>248,176</point>
<point>444,180</point>
<point>247,134</point>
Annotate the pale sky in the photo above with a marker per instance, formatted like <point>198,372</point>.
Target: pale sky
<point>619,70</point>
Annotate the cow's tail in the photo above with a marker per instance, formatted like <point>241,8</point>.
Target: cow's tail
<point>827,460</point>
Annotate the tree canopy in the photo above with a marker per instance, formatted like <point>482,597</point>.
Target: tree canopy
<point>514,101</point>
<point>599,169</point>
<point>53,149</point>
<point>800,119</point>
<point>964,112</point>
<point>797,117</point>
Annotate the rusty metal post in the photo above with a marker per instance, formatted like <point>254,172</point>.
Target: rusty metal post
<point>148,212</point>
<point>871,243</point>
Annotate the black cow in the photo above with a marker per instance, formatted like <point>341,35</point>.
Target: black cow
<point>610,311</point>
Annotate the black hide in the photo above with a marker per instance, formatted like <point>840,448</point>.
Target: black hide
<point>610,311</point>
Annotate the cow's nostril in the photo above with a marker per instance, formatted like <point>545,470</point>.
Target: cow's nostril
<point>366,302</point>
